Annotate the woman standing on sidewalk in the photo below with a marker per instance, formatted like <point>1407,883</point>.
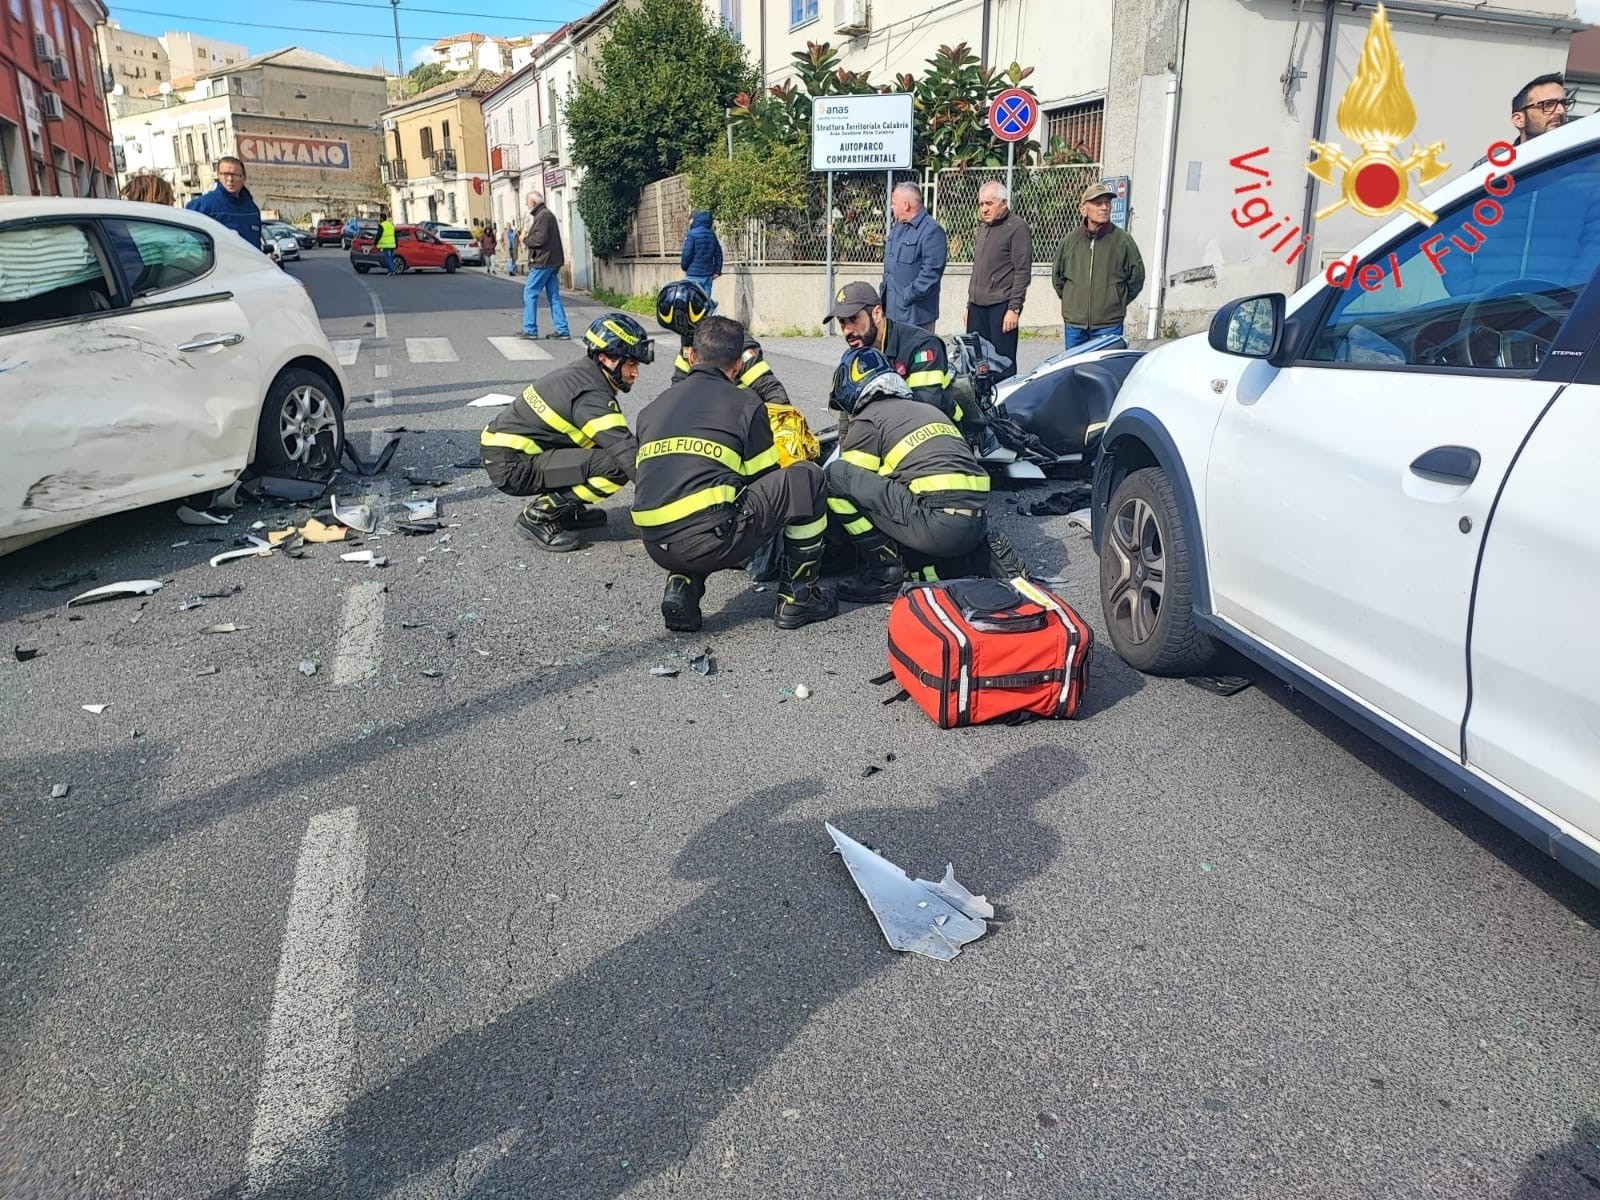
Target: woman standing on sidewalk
<point>487,243</point>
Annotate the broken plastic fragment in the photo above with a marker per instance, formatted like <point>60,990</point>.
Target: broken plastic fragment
<point>1220,685</point>
<point>424,481</point>
<point>190,516</point>
<point>422,510</point>
<point>704,664</point>
<point>364,556</point>
<point>418,528</point>
<point>208,670</point>
<point>431,674</point>
<point>868,772</point>
<point>224,627</point>
<point>115,591</point>
<point>492,400</point>
<point>315,531</point>
<point>248,552</point>
<point>288,487</point>
<point>307,667</point>
<point>357,516</point>
<point>228,498</point>
<point>222,593</point>
<point>802,692</point>
<point>96,709</point>
<point>909,910</point>
<point>59,791</point>
<point>24,655</point>
<point>663,672</point>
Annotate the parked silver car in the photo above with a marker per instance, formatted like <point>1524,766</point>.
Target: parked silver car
<point>465,242</point>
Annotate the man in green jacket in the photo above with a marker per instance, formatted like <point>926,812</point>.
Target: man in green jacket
<point>1098,271</point>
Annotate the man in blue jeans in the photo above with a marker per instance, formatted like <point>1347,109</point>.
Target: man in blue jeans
<point>540,238</point>
<point>1098,270</point>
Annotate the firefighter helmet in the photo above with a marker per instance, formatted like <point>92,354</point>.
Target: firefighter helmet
<point>682,305</point>
<point>617,335</point>
<point>855,370</point>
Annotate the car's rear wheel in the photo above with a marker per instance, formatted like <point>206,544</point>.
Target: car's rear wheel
<point>344,243</point>
<point>399,265</point>
<point>302,425</point>
<point>362,268</point>
<point>1145,581</point>
<point>451,262</point>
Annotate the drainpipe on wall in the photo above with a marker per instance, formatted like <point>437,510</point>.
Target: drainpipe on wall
<point>983,52</point>
<point>1169,153</point>
<point>1317,121</point>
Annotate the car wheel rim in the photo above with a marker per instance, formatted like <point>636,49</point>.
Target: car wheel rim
<point>307,426</point>
<point>1141,566</point>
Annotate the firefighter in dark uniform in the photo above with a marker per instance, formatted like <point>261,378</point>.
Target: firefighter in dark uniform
<point>682,305</point>
<point>565,441</point>
<point>709,491</point>
<point>907,487</point>
<point>916,355</point>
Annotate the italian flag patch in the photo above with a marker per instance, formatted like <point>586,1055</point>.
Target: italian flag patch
<point>922,356</point>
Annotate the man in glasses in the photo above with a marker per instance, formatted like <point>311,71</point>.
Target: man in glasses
<point>230,202</point>
<point>1539,107</point>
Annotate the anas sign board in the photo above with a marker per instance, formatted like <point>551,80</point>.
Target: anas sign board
<point>861,133</point>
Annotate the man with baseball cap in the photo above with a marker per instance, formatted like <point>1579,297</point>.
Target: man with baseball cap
<point>1098,271</point>
<point>916,355</point>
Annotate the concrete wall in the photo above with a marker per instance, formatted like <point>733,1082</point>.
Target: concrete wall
<point>137,61</point>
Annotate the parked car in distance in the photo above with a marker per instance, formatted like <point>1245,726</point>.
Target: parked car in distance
<point>353,228</point>
<point>330,231</point>
<point>414,249</point>
<point>1384,492</point>
<point>465,242</point>
<point>288,249</point>
<point>431,226</point>
<point>151,355</point>
<point>302,238</point>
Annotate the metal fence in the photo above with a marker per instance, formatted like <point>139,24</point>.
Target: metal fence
<point>1045,197</point>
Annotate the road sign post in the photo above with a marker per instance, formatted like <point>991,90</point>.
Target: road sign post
<point>1012,116</point>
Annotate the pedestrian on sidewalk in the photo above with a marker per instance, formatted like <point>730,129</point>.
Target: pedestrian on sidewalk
<point>1097,272</point>
<point>540,238</point>
<point>701,259</point>
<point>1002,266</point>
<point>487,244</point>
<point>511,248</point>
<point>913,262</point>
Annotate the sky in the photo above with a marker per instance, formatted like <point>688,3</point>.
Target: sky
<point>1589,10</point>
<point>357,32</point>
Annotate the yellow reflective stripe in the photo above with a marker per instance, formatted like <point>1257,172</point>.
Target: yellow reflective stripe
<point>950,483</point>
<point>925,379</point>
<point>767,458</point>
<point>610,421</point>
<point>914,439</point>
<point>804,533</point>
<point>860,458</point>
<point>555,420</point>
<point>682,364</point>
<point>753,374</point>
<point>606,487</point>
<point>509,441</point>
<point>843,507</point>
<point>583,493</point>
<point>677,510</point>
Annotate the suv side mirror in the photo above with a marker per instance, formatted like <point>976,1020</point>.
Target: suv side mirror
<point>1250,328</point>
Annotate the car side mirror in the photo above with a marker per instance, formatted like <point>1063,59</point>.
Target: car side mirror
<point>1250,328</point>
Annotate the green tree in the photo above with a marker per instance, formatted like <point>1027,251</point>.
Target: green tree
<point>665,77</point>
<point>427,75</point>
<point>752,184</point>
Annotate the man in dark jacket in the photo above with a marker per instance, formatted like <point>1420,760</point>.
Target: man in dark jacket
<point>540,244</point>
<point>566,442</point>
<point>1002,265</point>
<point>709,491</point>
<point>913,261</point>
<point>1098,270</point>
<point>701,260</point>
<point>917,356</point>
<point>231,203</point>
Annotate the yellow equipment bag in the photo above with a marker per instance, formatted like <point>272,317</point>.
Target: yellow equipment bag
<point>792,436</point>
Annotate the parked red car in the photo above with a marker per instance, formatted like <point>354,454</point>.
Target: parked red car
<point>414,250</point>
<point>330,231</point>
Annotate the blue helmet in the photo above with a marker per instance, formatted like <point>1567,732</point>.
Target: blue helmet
<point>855,370</point>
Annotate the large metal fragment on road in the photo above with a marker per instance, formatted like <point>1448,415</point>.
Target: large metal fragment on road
<point>288,487</point>
<point>935,919</point>
<point>117,591</point>
<point>359,517</point>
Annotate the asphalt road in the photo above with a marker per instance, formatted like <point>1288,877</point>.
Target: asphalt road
<point>482,908</point>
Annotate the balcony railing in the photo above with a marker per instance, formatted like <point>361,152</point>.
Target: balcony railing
<point>549,141</point>
<point>442,163</point>
<point>505,160</point>
<point>392,170</point>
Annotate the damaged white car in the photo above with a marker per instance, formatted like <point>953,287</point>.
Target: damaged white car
<point>148,354</point>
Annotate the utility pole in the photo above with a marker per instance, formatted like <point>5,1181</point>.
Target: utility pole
<point>399,55</point>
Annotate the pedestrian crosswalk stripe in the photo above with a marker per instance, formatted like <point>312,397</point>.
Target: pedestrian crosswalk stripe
<point>346,350</point>
<point>430,350</point>
<point>519,349</point>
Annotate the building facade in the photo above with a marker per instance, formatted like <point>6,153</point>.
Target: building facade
<point>136,62</point>
<point>436,154</point>
<point>473,52</point>
<point>191,55</point>
<point>55,138</point>
<point>305,126</point>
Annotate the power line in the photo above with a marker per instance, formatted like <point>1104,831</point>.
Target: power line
<point>437,12</point>
<point>192,20</point>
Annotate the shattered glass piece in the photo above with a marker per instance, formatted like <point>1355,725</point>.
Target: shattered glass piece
<point>223,627</point>
<point>116,591</point>
<point>190,516</point>
<point>96,709</point>
<point>492,400</point>
<point>23,654</point>
<point>663,672</point>
<point>704,664</point>
<point>907,910</point>
<point>365,556</point>
<point>247,552</point>
<point>307,667</point>
<point>60,790</point>
<point>357,516</point>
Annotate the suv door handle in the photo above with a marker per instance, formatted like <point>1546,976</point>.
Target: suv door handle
<point>213,339</point>
<point>1448,464</point>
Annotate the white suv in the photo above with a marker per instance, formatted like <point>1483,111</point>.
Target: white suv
<point>1391,497</point>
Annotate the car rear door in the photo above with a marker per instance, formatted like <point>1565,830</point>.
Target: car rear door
<point>1347,494</point>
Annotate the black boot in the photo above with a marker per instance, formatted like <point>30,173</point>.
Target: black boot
<point>680,603</point>
<point>880,573</point>
<point>581,516</point>
<point>540,522</point>
<point>802,598</point>
<point>1003,560</point>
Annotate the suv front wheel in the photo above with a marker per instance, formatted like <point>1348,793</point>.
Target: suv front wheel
<point>1145,580</point>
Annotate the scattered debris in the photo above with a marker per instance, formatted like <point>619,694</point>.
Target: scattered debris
<point>935,919</point>
<point>208,670</point>
<point>1220,685</point>
<point>422,510</point>
<point>60,582</point>
<point>357,516</point>
<point>261,551</point>
<point>191,605</point>
<point>307,667</point>
<point>134,620</point>
<point>663,672</point>
<point>96,709</point>
<point>315,531</point>
<point>418,528</point>
<point>470,464</point>
<point>423,481</point>
<point>59,791</point>
<point>288,487</point>
<point>294,546</point>
<point>1059,504</point>
<point>492,400</point>
<point>228,497</point>
<point>414,625</point>
<point>222,593</point>
<point>180,545</point>
<point>223,627</point>
<point>365,556</point>
<point>889,757</point>
<point>1082,519</point>
<point>868,772</point>
<point>23,654</point>
<point>704,664</point>
<point>190,516</point>
<point>802,692</point>
<point>432,674</point>
<point>371,466</point>
<point>117,591</point>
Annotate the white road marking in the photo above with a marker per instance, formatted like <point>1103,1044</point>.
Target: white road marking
<point>380,370</point>
<point>430,350</point>
<point>519,348</point>
<point>356,657</point>
<point>382,398</point>
<point>346,351</point>
<point>310,1056</point>
<point>380,323</point>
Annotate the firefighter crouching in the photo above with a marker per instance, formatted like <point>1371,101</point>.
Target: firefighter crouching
<point>709,490</point>
<point>680,307</point>
<point>906,486</point>
<point>914,354</point>
<point>565,441</point>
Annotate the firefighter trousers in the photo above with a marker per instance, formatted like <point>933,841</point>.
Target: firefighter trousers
<point>588,475</point>
<point>790,500</point>
<point>922,525</point>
